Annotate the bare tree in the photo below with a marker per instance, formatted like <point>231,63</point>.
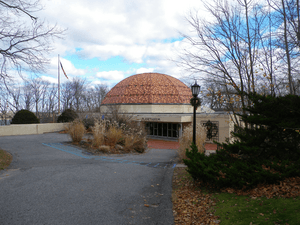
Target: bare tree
<point>287,18</point>
<point>225,48</point>
<point>4,108</point>
<point>27,96</point>
<point>78,87</point>
<point>14,95</point>
<point>73,94</point>
<point>51,99</point>
<point>100,91</point>
<point>25,39</point>
<point>38,87</point>
<point>66,95</point>
<point>238,49</point>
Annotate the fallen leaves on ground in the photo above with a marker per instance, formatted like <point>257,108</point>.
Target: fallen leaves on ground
<point>288,188</point>
<point>192,206</point>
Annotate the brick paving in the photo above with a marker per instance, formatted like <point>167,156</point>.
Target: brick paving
<point>162,144</point>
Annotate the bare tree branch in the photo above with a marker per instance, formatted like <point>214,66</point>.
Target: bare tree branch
<point>24,45</point>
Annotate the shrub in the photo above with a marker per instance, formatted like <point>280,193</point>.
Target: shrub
<point>223,169</point>
<point>76,130</point>
<point>68,115</point>
<point>186,139</point>
<point>89,122</point>
<point>24,117</point>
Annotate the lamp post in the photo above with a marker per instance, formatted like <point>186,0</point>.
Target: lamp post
<point>195,101</point>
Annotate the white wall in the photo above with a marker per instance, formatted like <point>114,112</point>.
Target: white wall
<point>25,129</point>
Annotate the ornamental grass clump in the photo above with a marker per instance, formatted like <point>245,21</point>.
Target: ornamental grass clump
<point>186,139</point>
<point>98,131</point>
<point>114,134</point>
<point>76,130</point>
<point>128,142</point>
<point>119,137</point>
<point>135,139</point>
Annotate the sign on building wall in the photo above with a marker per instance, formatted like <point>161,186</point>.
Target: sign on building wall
<point>150,119</point>
<point>212,130</point>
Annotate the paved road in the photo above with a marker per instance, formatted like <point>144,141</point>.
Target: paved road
<point>50,182</point>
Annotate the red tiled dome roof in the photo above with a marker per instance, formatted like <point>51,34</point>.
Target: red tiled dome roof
<point>149,88</point>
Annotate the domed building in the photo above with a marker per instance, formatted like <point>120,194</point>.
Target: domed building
<point>159,100</point>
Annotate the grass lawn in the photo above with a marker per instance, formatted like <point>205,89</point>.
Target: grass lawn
<point>194,205</point>
<point>5,159</point>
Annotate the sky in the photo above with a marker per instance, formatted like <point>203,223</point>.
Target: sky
<point>109,40</point>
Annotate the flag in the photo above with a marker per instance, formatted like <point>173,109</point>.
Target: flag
<point>63,70</point>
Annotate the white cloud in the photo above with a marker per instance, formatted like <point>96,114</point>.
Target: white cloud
<point>50,79</point>
<point>111,75</point>
<point>70,69</point>
<point>119,22</point>
<point>68,66</point>
<point>144,70</point>
<point>101,82</point>
<point>135,30</point>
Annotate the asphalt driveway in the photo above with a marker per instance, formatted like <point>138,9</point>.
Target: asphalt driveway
<point>51,182</point>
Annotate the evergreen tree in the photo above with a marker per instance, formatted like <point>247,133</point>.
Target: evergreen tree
<point>271,129</point>
<point>265,151</point>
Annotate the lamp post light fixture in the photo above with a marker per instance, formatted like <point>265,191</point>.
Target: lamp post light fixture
<point>195,101</point>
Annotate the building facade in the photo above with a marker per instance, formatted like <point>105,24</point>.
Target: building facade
<point>162,102</point>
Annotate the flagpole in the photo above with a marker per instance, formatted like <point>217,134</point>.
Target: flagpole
<point>58,86</point>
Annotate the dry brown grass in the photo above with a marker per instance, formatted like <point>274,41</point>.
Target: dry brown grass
<point>98,131</point>
<point>128,142</point>
<point>186,139</point>
<point>135,138</point>
<point>76,130</point>
<point>134,142</point>
<point>5,159</point>
<point>131,136</point>
<point>114,135</point>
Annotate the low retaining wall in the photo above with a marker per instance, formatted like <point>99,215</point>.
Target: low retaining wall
<point>25,129</point>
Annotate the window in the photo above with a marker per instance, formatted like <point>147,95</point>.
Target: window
<point>155,129</point>
<point>168,130</point>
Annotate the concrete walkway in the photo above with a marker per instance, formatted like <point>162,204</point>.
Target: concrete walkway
<point>51,182</point>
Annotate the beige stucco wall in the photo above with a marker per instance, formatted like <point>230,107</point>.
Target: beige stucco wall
<point>151,113</point>
<point>27,129</point>
<point>151,108</point>
<point>225,124</point>
<point>162,118</point>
